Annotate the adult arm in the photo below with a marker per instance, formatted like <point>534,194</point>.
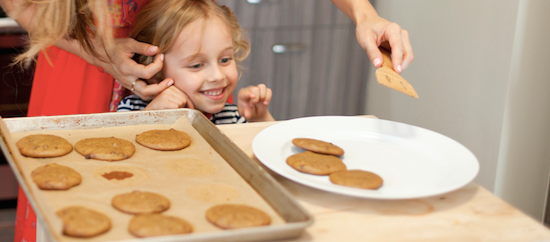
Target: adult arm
<point>373,30</point>
<point>121,65</point>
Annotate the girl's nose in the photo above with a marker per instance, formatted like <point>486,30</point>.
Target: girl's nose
<point>215,74</point>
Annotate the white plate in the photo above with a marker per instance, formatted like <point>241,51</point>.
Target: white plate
<point>414,162</point>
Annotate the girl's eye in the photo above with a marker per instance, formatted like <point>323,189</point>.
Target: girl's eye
<point>196,66</point>
<point>225,60</point>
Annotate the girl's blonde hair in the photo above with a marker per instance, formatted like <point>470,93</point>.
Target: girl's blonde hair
<point>87,21</point>
<point>161,21</point>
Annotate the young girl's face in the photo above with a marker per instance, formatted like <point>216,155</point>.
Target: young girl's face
<point>202,65</point>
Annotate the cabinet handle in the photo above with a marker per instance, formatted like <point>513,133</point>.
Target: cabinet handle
<point>259,1</point>
<point>284,48</point>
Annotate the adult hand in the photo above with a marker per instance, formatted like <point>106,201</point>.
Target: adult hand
<point>373,31</point>
<point>253,101</point>
<point>170,98</point>
<point>125,70</point>
<point>150,90</point>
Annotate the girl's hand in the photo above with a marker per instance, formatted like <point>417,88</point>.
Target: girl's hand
<point>253,101</point>
<point>170,98</point>
<point>372,32</point>
<point>125,70</point>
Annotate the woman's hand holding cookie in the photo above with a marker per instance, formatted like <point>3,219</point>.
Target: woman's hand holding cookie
<point>253,101</point>
<point>170,98</point>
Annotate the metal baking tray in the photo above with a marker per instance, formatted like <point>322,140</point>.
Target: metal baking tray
<point>296,217</point>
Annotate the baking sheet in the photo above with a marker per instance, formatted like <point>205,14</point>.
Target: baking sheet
<point>194,178</point>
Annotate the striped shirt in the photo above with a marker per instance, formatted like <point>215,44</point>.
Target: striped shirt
<point>228,115</point>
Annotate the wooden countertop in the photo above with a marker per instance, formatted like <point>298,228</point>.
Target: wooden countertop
<point>469,214</point>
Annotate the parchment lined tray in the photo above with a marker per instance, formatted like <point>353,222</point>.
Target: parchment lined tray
<point>211,171</point>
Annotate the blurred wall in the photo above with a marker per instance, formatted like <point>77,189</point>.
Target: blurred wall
<point>463,51</point>
<point>524,161</point>
<point>482,74</point>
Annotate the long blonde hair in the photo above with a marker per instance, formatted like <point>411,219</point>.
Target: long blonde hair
<point>161,21</point>
<point>87,21</point>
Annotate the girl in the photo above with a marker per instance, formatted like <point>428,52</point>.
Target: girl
<point>202,44</point>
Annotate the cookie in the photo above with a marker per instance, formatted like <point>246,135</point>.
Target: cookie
<point>43,146</point>
<point>108,149</point>
<point>315,164</point>
<point>138,202</point>
<point>79,221</point>
<point>233,216</point>
<point>164,140</point>
<point>55,177</point>
<point>318,146</point>
<point>148,225</point>
<point>357,178</point>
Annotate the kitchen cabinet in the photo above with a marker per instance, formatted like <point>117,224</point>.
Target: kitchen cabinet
<point>325,75</point>
<point>16,83</point>
<point>15,88</point>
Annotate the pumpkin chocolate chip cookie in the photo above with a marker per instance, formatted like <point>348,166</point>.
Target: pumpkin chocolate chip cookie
<point>233,216</point>
<point>55,177</point>
<point>138,202</point>
<point>164,140</point>
<point>315,164</point>
<point>318,146</point>
<point>83,222</point>
<point>357,178</point>
<point>43,146</point>
<point>108,149</point>
<point>148,225</point>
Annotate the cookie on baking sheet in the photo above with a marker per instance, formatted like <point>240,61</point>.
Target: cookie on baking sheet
<point>43,146</point>
<point>315,164</point>
<point>79,221</point>
<point>138,202</point>
<point>164,140</point>
<point>108,149</point>
<point>148,225</point>
<point>234,216</point>
<point>55,177</point>
<point>357,178</point>
<point>318,146</point>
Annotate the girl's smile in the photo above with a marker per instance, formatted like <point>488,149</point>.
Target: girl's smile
<point>216,94</point>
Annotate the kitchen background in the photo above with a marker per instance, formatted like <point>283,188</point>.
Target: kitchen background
<point>321,70</point>
<point>14,95</point>
<point>480,69</point>
<point>482,72</point>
